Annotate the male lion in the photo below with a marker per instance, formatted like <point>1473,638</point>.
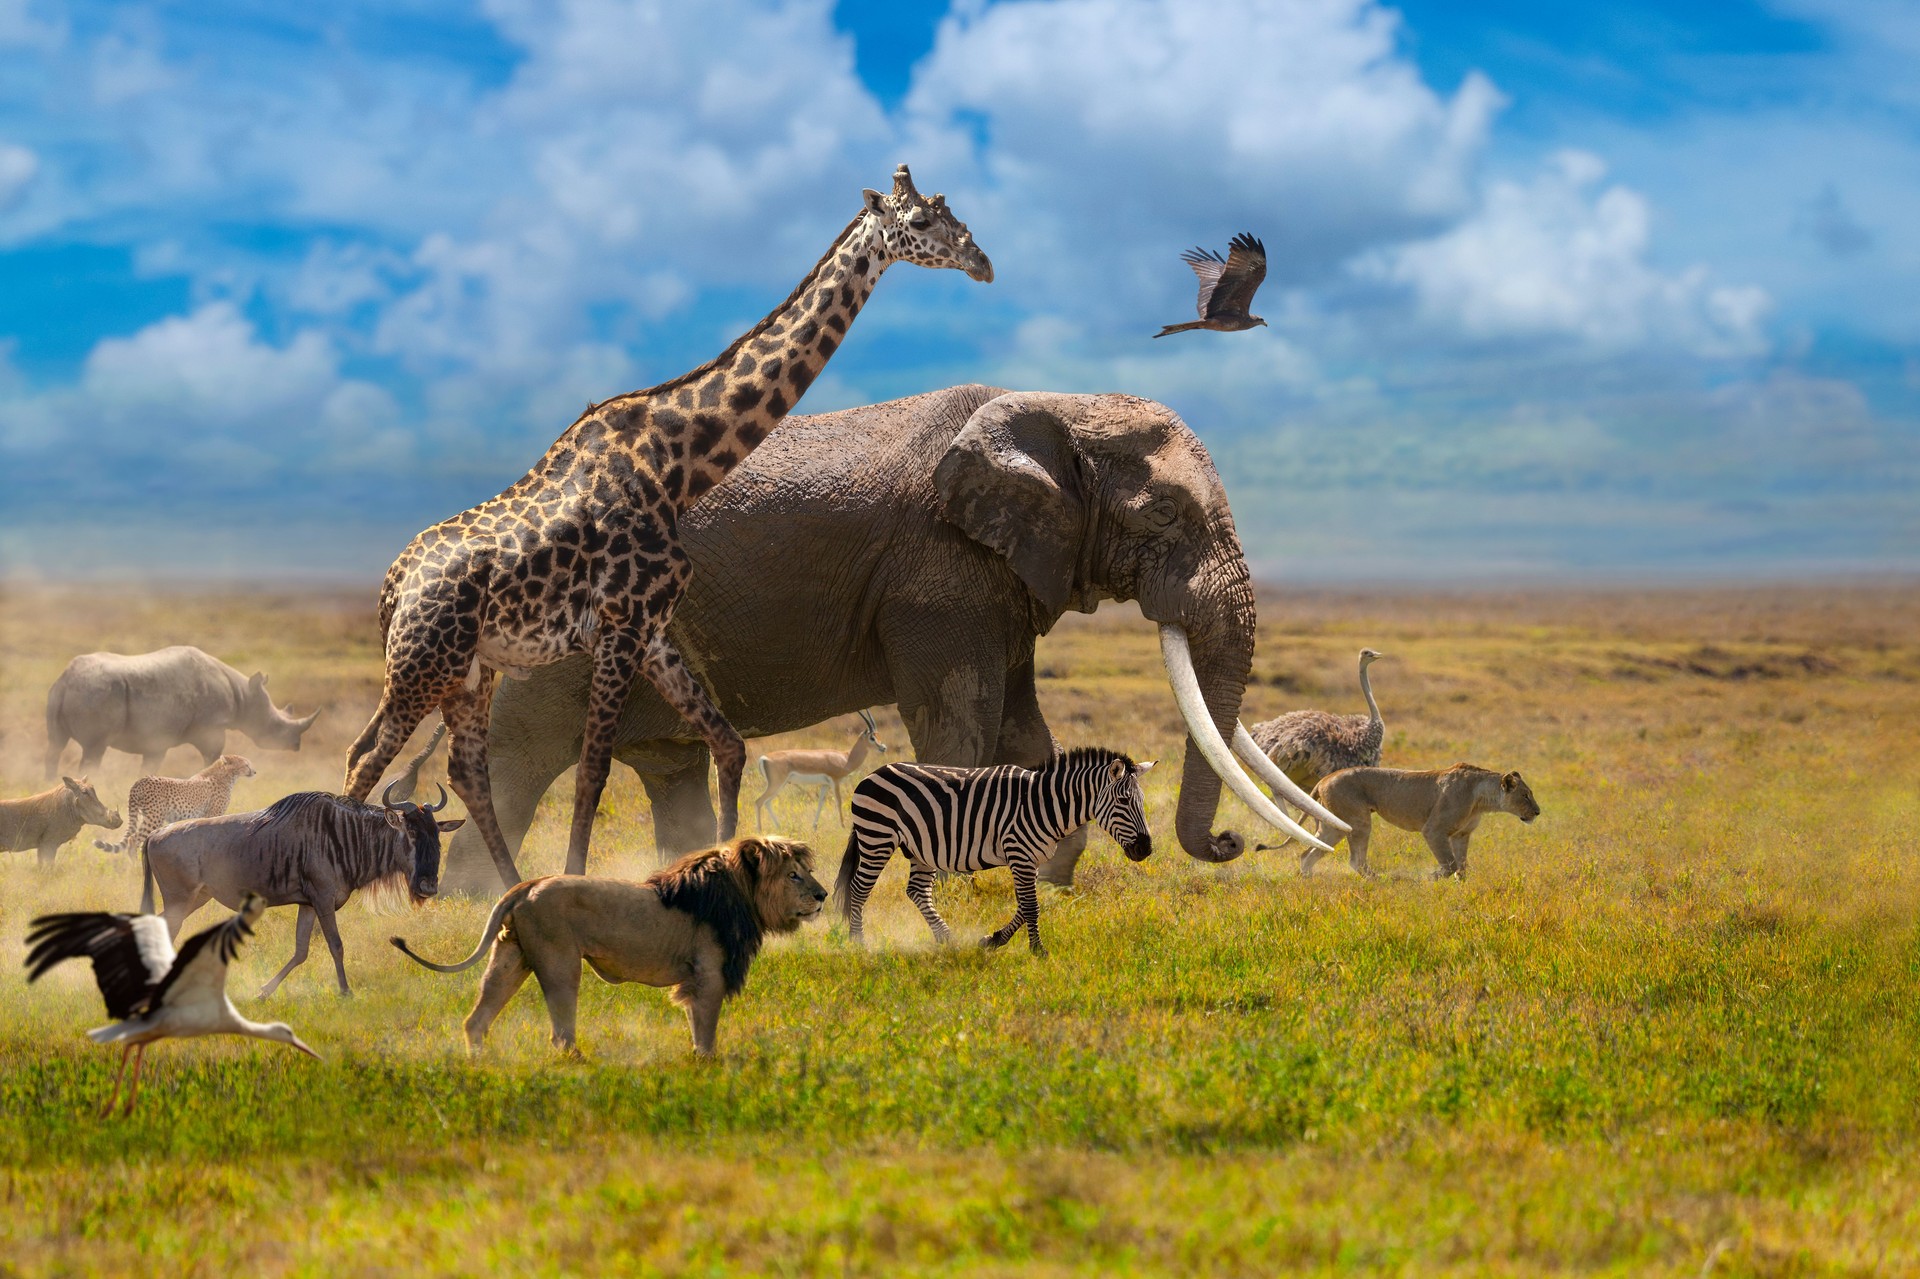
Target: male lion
<point>1443,804</point>
<point>694,926</point>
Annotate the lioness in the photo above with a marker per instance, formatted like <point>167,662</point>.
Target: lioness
<point>694,926</point>
<point>1444,805</point>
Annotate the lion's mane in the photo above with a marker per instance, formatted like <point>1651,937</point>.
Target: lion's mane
<point>723,889</point>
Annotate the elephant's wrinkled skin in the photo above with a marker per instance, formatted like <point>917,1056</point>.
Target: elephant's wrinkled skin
<point>911,552</point>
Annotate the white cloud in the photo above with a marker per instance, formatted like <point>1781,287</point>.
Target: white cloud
<point>1112,133</point>
<point>211,366</point>
<point>126,68</point>
<point>17,168</point>
<point>19,25</point>
<point>204,393</point>
<point>1561,257</point>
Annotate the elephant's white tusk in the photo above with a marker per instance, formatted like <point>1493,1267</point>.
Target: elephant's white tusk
<point>1178,657</point>
<point>1269,772</point>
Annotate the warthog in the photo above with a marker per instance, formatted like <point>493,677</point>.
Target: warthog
<point>51,818</point>
<point>150,703</point>
<point>313,850</point>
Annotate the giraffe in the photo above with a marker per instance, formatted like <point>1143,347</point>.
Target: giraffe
<point>582,553</point>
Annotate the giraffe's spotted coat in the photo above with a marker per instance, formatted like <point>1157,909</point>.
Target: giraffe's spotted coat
<point>582,553</point>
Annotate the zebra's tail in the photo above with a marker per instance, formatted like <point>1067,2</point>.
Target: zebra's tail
<point>843,882</point>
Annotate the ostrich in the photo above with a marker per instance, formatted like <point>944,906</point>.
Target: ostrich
<point>1308,745</point>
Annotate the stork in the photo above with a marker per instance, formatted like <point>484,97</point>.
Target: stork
<point>153,993</point>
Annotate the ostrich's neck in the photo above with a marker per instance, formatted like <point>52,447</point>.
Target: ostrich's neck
<point>1366,691</point>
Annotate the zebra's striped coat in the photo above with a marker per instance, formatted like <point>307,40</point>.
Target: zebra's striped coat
<point>968,819</point>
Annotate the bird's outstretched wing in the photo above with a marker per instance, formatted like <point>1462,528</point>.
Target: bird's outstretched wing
<point>1240,277</point>
<point>201,968</point>
<point>131,954</point>
<point>1207,265</point>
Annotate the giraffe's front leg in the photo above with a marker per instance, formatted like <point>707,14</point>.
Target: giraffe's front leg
<point>616,660</point>
<point>668,674</point>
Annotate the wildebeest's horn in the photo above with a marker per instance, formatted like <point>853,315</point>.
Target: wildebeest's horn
<point>434,808</point>
<point>386,796</point>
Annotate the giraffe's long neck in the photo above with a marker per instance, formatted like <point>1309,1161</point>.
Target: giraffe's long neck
<point>709,420</point>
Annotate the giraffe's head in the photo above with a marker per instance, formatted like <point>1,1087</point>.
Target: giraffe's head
<point>923,231</point>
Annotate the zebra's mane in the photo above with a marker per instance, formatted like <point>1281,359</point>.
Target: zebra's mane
<point>1081,756</point>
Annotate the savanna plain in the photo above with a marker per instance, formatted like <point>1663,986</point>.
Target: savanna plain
<point>1669,1028</point>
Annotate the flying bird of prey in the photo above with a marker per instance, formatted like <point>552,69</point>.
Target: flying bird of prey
<point>1226,286</point>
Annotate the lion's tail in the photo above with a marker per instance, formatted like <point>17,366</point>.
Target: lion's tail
<point>514,896</point>
<point>843,882</point>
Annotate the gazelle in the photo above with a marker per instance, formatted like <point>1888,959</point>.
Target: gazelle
<point>815,768</point>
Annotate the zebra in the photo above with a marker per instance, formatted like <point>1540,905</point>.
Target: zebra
<point>967,819</point>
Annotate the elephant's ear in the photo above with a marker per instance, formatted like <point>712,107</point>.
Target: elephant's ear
<point>1015,482</point>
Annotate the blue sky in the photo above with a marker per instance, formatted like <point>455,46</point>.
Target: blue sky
<point>1616,291</point>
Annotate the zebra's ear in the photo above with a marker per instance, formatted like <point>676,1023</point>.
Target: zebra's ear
<point>1117,770</point>
<point>1145,766</point>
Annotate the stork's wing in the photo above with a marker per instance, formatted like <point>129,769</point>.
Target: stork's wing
<point>1245,268</point>
<point>1207,265</point>
<point>131,953</point>
<point>201,970</point>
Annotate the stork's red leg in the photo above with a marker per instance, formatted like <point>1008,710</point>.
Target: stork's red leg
<point>118,1076</point>
<point>133,1094</point>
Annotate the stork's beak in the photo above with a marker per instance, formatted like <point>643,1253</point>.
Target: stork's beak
<point>295,1042</point>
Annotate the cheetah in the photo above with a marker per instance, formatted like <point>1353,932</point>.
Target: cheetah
<point>157,801</point>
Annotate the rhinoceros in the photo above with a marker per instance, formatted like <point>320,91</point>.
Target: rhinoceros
<point>148,703</point>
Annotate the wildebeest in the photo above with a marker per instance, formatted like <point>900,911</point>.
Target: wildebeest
<point>149,703</point>
<point>312,849</point>
<point>51,818</point>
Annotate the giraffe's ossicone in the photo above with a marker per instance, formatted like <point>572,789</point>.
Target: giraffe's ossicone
<point>582,553</point>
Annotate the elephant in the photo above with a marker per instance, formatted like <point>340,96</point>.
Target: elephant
<point>911,553</point>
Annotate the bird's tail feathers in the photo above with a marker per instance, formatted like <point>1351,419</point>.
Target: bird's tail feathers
<point>112,1034</point>
<point>1181,328</point>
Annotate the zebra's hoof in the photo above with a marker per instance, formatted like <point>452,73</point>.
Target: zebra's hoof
<point>991,942</point>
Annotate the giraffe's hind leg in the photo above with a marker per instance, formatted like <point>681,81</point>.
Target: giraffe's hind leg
<point>405,703</point>
<point>616,660</point>
<point>467,712</point>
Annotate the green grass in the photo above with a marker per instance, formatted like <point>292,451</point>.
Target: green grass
<point>1667,1028</point>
